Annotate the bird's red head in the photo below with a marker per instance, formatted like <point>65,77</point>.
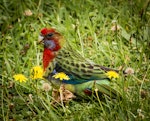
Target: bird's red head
<point>53,41</point>
<point>46,31</point>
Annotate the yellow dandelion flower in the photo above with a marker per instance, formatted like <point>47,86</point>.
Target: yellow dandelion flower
<point>37,72</point>
<point>112,74</point>
<point>61,76</point>
<point>20,77</point>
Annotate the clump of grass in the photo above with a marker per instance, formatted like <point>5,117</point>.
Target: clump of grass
<point>87,26</point>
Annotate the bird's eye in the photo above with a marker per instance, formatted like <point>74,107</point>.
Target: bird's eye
<point>50,35</point>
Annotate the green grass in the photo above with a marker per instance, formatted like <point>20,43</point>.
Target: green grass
<point>86,25</point>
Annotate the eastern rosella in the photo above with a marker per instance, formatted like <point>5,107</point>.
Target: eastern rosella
<point>81,76</point>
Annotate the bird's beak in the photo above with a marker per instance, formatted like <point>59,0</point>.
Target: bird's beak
<point>40,39</point>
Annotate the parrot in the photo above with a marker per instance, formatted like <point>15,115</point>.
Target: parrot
<point>81,76</point>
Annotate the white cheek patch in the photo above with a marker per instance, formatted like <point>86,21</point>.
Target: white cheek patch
<point>49,44</point>
<point>40,38</point>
